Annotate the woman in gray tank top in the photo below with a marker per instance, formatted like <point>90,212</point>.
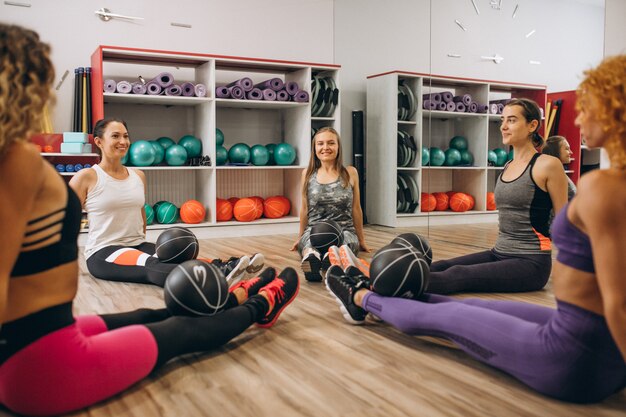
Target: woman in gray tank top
<point>528,189</point>
<point>330,191</point>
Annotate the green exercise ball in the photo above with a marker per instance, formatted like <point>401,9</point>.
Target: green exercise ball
<point>159,152</point>
<point>492,158</point>
<point>192,145</point>
<point>166,213</point>
<point>453,157</point>
<point>270,149</point>
<point>437,157</point>
<point>501,156</point>
<point>467,158</point>
<point>156,205</point>
<point>259,155</point>
<point>175,155</point>
<point>459,143</point>
<point>510,157</point>
<point>221,155</point>
<point>219,137</point>
<point>142,153</point>
<point>239,153</point>
<point>166,142</point>
<point>149,212</point>
<point>125,157</point>
<point>425,156</point>
<point>284,154</point>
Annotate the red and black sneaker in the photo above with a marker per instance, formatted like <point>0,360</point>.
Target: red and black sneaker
<point>253,285</point>
<point>281,292</point>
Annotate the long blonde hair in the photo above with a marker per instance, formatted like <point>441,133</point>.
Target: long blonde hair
<point>26,76</point>
<point>315,163</point>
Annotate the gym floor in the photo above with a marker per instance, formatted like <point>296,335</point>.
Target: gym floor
<point>312,363</point>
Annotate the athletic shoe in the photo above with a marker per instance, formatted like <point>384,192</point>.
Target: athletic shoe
<point>343,287</point>
<point>253,285</point>
<point>281,291</point>
<point>311,265</point>
<point>357,275</point>
<point>330,258</point>
<point>233,268</point>
<point>257,261</point>
<point>348,258</point>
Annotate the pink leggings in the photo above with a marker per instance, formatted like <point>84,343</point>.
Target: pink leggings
<point>90,364</point>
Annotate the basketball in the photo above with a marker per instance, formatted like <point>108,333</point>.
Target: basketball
<point>224,210</point>
<point>273,208</point>
<point>399,271</point>
<point>176,245</point>
<point>429,202</point>
<point>325,234</point>
<point>442,201</point>
<point>286,204</point>
<point>491,201</point>
<point>460,202</point>
<point>166,212</point>
<point>192,211</point>
<point>419,242</point>
<point>258,208</point>
<point>195,288</point>
<point>245,210</point>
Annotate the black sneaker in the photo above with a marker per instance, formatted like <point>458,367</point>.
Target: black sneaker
<point>253,285</point>
<point>281,291</point>
<point>311,266</point>
<point>343,287</point>
<point>357,275</point>
<point>233,269</point>
<point>257,261</point>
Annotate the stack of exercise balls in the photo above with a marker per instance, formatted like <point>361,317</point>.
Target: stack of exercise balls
<point>165,212</point>
<point>258,155</point>
<point>451,200</point>
<point>249,209</point>
<point>498,157</point>
<point>163,151</point>
<point>457,154</point>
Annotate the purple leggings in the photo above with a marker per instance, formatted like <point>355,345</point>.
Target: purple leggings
<point>566,353</point>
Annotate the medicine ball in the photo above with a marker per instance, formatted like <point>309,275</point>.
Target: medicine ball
<point>195,288</point>
<point>325,234</point>
<point>419,242</point>
<point>176,245</point>
<point>399,271</point>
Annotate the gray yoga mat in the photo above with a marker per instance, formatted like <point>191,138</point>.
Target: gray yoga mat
<point>109,86</point>
<point>199,90</point>
<point>124,87</point>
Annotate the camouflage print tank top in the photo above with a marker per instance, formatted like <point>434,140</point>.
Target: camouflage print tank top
<point>329,201</point>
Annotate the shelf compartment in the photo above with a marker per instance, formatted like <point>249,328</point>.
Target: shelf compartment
<point>156,100</point>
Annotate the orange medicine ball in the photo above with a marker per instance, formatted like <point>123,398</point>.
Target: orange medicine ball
<point>192,211</point>
<point>245,210</point>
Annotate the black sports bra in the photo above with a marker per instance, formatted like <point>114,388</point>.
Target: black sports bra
<point>58,253</point>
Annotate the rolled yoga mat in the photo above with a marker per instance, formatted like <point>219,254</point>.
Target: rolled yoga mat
<point>188,89</point>
<point>301,97</point>
<point>254,94</point>
<point>460,107</point>
<point>269,94</point>
<point>500,108</point>
<point>436,97</point>
<point>466,99</point>
<point>124,87</point>
<point>200,90</point>
<point>482,108</point>
<point>451,106</point>
<point>282,95</point>
<point>153,88</point>
<point>473,107</point>
<point>446,96</point>
<point>222,92</point>
<point>173,90</point>
<point>493,108</point>
<point>164,79</point>
<point>292,87</point>
<point>139,88</point>
<point>442,106</point>
<point>429,105</point>
<point>237,92</point>
<point>244,83</point>
<point>275,84</point>
<point>109,86</point>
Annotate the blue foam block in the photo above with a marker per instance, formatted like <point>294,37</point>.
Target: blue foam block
<point>76,147</point>
<point>75,137</point>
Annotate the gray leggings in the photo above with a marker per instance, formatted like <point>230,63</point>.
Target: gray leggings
<point>349,238</point>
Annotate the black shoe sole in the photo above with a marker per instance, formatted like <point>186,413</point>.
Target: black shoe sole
<point>311,268</point>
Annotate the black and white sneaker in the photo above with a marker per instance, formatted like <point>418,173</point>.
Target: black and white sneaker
<point>343,287</point>
<point>311,266</point>
<point>233,269</point>
<point>256,263</point>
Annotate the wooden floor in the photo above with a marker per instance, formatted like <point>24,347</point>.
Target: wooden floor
<point>312,363</point>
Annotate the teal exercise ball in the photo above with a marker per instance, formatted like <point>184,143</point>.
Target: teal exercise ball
<point>492,158</point>
<point>149,213</point>
<point>125,157</point>
<point>259,155</point>
<point>221,155</point>
<point>219,137</point>
<point>453,157</point>
<point>166,142</point>
<point>459,143</point>
<point>501,156</point>
<point>239,153</point>
<point>437,157</point>
<point>192,145</point>
<point>159,152</point>
<point>425,156</point>
<point>270,149</point>
<point>142,153</point>
<point>175,155</point>
<point>467,158</point>
<point>166,213</point>
<point>284,154</point>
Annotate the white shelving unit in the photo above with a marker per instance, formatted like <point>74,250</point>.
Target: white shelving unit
<point>248,121</point>
<point>433,128</point>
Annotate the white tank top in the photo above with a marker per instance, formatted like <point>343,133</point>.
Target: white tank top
<point>114,211</point>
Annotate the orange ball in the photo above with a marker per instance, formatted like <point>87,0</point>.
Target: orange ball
<point>259,206</point>
<point>245,210</point>
<point>443,201</point>
<point>192,211</point>
<point>429,202</point>
<point>472,201</point>
<point>224,210</point>
<point>273,208</point>
<point>286,204</point>
<point>460,202</point>
<point>491,201</point>
<point>48,148</point>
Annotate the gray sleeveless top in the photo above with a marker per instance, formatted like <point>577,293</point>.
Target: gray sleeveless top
<point>523,214</point>
<point>329,201</point>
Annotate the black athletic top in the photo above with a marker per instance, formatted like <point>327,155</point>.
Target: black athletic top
<point>58,253</point>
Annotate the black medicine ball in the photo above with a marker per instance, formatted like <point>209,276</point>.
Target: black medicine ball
<point>399,271</point>
<point>419,242</point>
<point>176,245</point>
<point>325,234</point>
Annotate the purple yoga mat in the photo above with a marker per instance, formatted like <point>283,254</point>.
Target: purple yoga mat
<point>466,99</point>
<point>244,83</point>
<point>164,79</point>
<point>139,88</point>
<point>451,106</point>
<point>269,94</point>
<point>237,92</point>
<point>482,108</point>
<point>173,90</point>
<point>188,89</point>
<point>154,89</point>
<point>301,96</point>
<point>460,107</point>
<point>500,108</point>
<point>447,96</point>
<point>429,105</point>
<point>222,92</point>
<point>199,90</point>
<point>275,84</point>
<point>473,107</point>
<point>109,86</point>
<point>292,87</point>
<point>436,97</point>
<point>442,106</point>
<point>254,94</point>
<point>282,95</point>
<point>124,87</point>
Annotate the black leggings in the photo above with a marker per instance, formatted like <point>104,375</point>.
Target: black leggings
<point>154,272</point>
<point>490,271</point>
